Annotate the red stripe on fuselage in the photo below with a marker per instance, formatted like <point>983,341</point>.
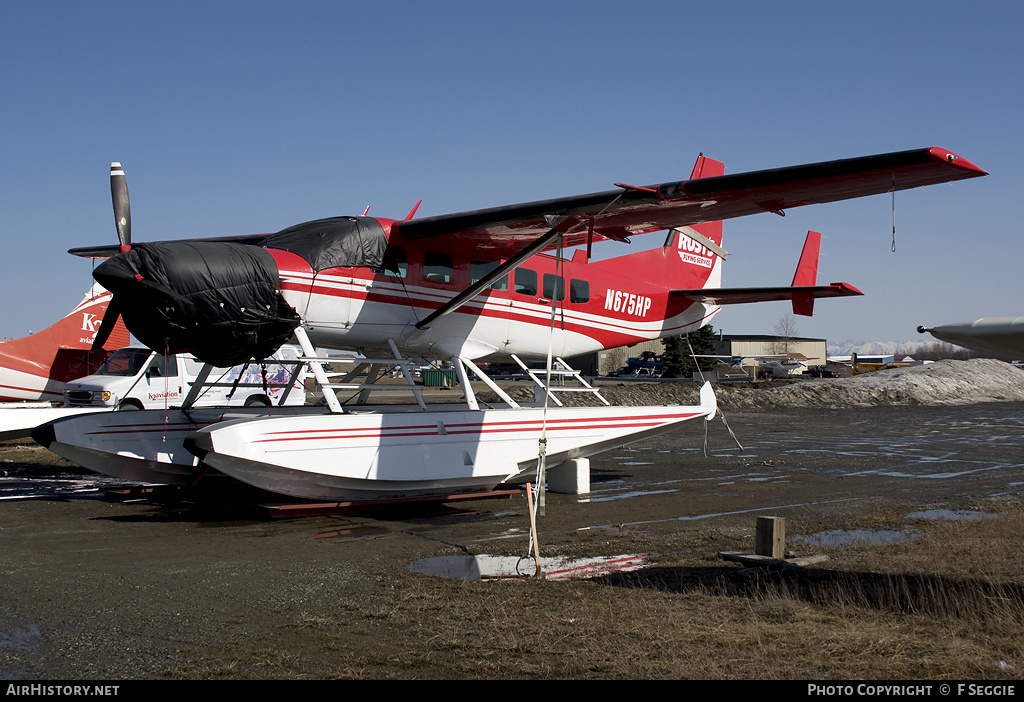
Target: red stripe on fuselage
<point>471,428</point>
<point>540,317</point>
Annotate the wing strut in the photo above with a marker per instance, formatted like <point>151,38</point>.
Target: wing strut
<point>561,226</point>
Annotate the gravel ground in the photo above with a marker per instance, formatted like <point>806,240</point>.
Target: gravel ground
<point>205,587</point>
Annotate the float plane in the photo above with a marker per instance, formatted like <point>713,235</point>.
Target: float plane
<point>34,368</point>
<point>487,284</point>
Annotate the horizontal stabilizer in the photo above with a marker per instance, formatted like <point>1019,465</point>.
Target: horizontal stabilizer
<point>736,296</point>
<point>802,292</point>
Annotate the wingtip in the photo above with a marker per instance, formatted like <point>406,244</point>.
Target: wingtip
<point>955,159</point>
<point>848,289</point>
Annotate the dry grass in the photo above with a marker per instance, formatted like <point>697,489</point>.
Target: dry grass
<point>947,605</point>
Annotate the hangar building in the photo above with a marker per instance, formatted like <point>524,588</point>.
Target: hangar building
<point>602,363</point>
<point>812,350</point>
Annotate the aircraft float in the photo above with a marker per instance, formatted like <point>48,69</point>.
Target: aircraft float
<point>487,284</point>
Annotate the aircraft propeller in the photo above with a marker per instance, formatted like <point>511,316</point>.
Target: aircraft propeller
<point>218,300</point>
<point>122,208</point>
<point>123,222</point>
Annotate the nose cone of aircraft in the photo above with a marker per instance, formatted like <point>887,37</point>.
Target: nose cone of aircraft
<point>219,301</point>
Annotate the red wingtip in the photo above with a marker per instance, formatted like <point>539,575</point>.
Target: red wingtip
<point>948,156</point>
<point>847,289</point>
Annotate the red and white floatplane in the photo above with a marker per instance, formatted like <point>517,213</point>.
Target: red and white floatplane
<point>467,286</point>
<point>363,453</point>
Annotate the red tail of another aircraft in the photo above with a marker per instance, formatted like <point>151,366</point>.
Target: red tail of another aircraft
<point>36,367</point>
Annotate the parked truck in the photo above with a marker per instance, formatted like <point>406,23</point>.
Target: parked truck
<point>135,377</point>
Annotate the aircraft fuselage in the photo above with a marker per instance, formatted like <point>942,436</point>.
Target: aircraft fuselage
<point>574,306</point>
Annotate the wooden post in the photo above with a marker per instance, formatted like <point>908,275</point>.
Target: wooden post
<point>533,532</point>
<point>771,537</point>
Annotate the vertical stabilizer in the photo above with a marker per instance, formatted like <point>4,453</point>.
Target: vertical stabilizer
<point>708,168</point>
<point>699,246</point>
<point>806,275</point>
<point>35,367</point>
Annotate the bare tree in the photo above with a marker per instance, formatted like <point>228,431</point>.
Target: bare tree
<point>785,329</point>
<point>938,350</point>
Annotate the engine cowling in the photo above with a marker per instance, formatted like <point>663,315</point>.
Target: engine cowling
<point>218,301</point>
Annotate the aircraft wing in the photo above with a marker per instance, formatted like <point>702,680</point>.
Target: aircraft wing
<point>630,210</point>
<point>737,296</point>
<point>501,232</point>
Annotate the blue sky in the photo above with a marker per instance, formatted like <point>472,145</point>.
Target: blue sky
<point>247,117</point>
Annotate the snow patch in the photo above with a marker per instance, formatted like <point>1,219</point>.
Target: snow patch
<point>948,382</point>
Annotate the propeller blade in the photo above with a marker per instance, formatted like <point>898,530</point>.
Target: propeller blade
<point>107,325</point>
<point>122,209</point>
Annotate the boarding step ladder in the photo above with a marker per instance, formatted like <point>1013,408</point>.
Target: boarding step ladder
<point>372,369</point>
<point>560,371</point>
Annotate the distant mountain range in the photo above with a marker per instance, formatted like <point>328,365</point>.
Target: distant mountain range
<point>874,348</point>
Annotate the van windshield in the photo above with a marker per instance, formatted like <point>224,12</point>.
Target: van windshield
<point>126,362</point>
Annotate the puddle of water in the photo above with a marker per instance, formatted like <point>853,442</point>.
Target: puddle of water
<point>625,495</point>
<point>20,488</point>
<point>765,510</point>
<point>966,514</point>
<point>844,538</point>
<point>27,639</point>
<point>353,533</point>
<point>934,476</point>
<point>513,567</point>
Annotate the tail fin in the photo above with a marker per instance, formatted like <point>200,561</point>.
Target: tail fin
<point>708,168</point>
<point>802,292</point>
<point>77,330</point>
<point>698,245</point>
<point>691,255</point>
<point>806,275</point>
<point>36,366</point>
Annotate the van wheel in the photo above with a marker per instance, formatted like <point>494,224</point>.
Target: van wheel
<point>257,401</point>
<point>128,405</point>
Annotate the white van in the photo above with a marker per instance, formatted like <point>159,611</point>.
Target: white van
<point>137,378</point>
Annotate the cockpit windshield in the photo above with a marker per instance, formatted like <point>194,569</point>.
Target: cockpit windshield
<point>126,362</point>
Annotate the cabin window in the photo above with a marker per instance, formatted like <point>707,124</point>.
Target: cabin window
<point>479,269</point>
<point>437,267</point>
<point>163,366</point>
<point>396,261</point>
<point>192,366</point>
<point>126,362</point>
<point>554,287</point>
<point>526,281</point>
<point>579,290</point>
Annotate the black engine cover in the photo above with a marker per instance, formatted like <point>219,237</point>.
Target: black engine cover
<point>219,301</point>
